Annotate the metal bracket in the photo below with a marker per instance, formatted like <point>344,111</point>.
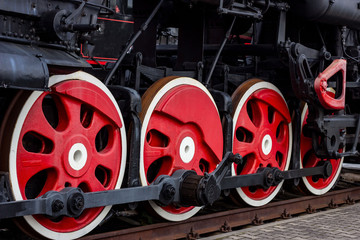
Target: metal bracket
<point>129,102</point>
<point>321,85</point>
<point>224,104</point>
<point>240,10</point>
<point>5,195</point>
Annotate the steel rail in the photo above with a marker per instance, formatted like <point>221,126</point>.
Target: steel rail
<point>224,221</point>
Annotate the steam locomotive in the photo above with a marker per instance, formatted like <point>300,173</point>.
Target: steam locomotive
<point>173,103</point>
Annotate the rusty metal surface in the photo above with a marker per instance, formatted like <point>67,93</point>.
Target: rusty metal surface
<point>194,227</point>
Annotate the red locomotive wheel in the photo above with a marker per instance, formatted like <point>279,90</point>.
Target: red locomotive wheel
<point>308,159</point>
<point>71,136</point>
<point>261,135</point>
<point>181,130</point>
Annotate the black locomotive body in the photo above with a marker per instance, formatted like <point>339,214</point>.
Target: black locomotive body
<point>99,105</point>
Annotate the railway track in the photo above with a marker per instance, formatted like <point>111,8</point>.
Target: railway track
<point>226,220</point>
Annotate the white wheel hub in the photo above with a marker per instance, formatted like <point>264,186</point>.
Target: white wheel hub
<point>266,144</point>
<point>77,156</point>
<point>187,149</point>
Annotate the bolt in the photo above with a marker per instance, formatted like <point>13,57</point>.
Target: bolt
<point>327,55</point>
<point>78,202</point>
<point>279,176</point>
<point>236,158</point>
<point>170,192</point>
<point>57,205</point>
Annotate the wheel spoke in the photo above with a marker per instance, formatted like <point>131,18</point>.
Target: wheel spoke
<point>59,142</point>
<point>107,159</point>
<point>33,163</point>
<point>312,161</point>
<point>96,124</point>
<point>151,154</point>
<point>71,116</point>
<point>206,155</point>
<point>160,143</point>
<point>93,183</point>
<point>306,145</point>
<point>243,148</point>
<point>263,109</point>
<point>245,122</point>
<point>56,182</point>
<point>276,121</point>
<point>251,166</point>
<point>165,124</point>
<point>282,148</point>
<point>38,124</point>
<point>313,184</point>
<point>41,160</point>
<point>262,138</point>
<point>181,130</point>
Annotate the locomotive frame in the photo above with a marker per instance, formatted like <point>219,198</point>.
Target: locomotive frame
<point>44,43</point>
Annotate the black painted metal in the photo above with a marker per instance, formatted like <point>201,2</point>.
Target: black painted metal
<point>5,195</point>
<point>129,102</point>
<point>72,201</point>
<point>41,38</point>
<point>340,13</point>
<point>44,21</point>
<point>132,41</point>
<point>27,67</point>
<point>216,59</point>
<point>240,9</point>
<point>224,104</point>
<point>183,187</point>
<point>295,152</point>
<point>190,47</point>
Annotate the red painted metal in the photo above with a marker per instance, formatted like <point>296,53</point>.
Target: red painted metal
<point>74,126</point>
<point>321,84</point>
<point>309,159</point>
<point>184,111</point>
<point>263,114</point>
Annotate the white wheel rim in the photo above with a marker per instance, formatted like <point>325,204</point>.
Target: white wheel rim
<point>306,182</point>
<point>172,84</point>
<point>251,90</point>
<point>40,229</point>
